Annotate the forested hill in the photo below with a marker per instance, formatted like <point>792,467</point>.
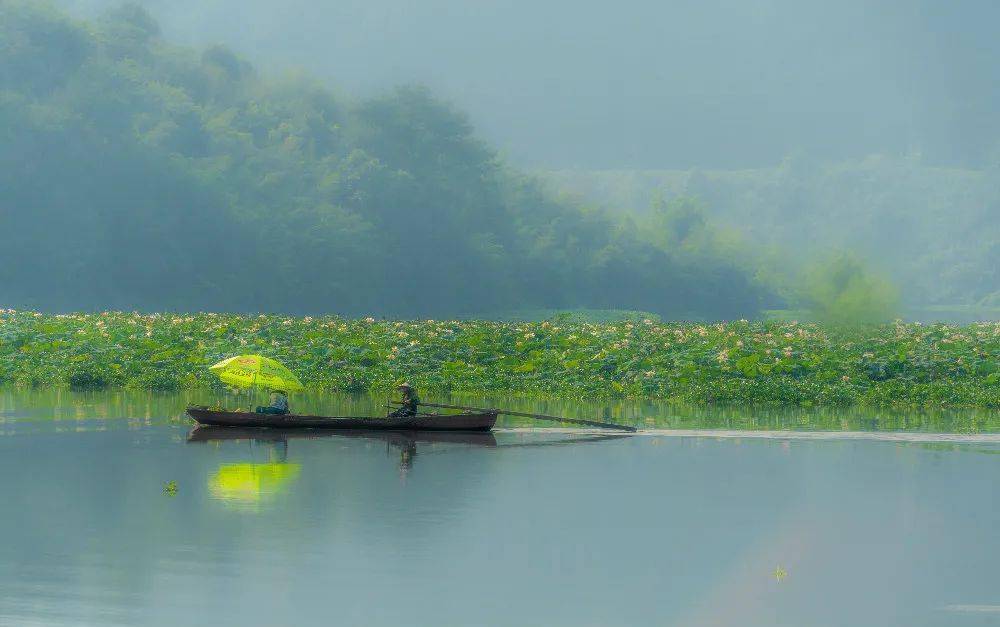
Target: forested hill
<point>933,230</point>
<point>139,175</point>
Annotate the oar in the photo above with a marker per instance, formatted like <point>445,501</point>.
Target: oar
<point>576,421</point>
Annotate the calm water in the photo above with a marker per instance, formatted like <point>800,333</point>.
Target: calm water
<point>511,529</point>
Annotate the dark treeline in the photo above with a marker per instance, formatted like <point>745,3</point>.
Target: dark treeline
<point>139,175</point>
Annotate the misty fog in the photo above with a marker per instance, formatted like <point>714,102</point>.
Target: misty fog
<point>648,84</point>
<point>699,159</point>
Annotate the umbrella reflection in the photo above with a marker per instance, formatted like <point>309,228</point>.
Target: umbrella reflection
<point>251,483</point>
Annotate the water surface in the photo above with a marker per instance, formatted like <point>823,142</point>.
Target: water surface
<point>140,407</point>
<point>514,528</point>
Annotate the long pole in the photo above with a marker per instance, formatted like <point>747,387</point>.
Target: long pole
<point>576,421</point>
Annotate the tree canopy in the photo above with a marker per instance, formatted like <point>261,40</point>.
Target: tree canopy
<point>139,175</point>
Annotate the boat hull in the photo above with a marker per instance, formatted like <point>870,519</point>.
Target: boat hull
<point>422,422</point>
<point>204,433</point>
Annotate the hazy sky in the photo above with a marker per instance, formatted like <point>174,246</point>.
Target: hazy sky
<point>651,83</point>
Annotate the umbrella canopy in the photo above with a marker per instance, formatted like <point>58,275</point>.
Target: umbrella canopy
<point>247,371</point>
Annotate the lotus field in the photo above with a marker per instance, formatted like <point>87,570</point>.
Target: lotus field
<point>735,363</point>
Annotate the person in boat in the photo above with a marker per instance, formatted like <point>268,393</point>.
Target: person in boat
<point>410,402</point>
<point>279,404</point>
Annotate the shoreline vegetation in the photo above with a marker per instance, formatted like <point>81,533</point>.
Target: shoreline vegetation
<point>741,363</point>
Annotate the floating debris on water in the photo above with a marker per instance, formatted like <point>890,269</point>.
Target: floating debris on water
<point>780,574</point>
<point>170,488</point>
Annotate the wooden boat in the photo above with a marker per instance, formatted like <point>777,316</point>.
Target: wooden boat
<point>482,421</point>
<point>202,433</point>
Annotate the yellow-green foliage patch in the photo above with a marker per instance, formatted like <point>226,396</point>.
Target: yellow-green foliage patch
<point>770,362</point>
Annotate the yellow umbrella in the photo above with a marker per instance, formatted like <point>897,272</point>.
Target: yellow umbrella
<point>249,371</point>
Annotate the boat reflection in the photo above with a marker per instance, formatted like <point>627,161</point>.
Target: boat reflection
<point>271,434</point>
<point>404,442</point>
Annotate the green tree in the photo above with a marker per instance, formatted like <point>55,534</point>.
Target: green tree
<point>843,290</point>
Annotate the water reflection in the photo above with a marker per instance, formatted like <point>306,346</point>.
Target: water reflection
<point>136,409</point>
<point>395,438</point>
<point>404,443</point>
<point>248,483</point>
<point>401,444</point>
